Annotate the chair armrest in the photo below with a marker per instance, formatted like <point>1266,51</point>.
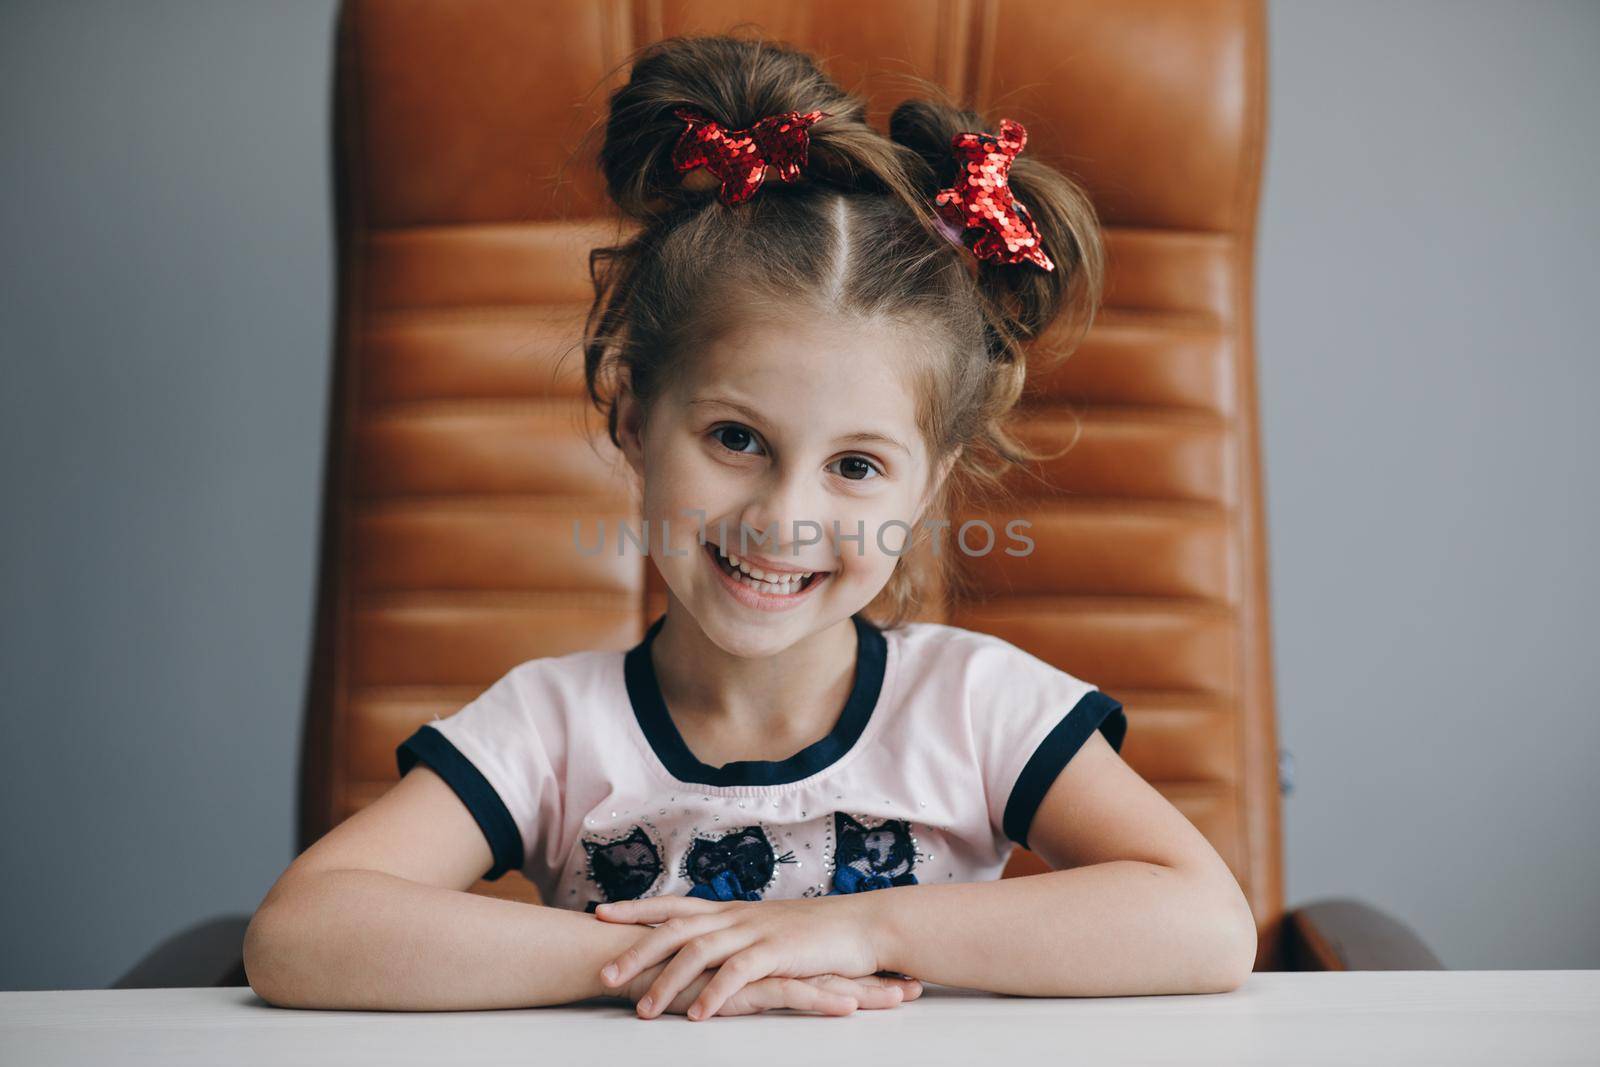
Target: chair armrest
<point>210,953</point>
<point>1348,935</point>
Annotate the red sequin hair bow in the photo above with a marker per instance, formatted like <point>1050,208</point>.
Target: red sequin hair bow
<point>743,159</point>
<point>981,198</point>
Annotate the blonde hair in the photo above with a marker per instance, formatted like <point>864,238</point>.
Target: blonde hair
<point>784,248</point>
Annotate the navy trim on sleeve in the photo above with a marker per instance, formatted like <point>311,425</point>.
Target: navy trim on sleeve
<point>1093,710</point>
<point>499,828</point>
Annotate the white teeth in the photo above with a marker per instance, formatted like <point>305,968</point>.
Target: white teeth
<point>758,579</point>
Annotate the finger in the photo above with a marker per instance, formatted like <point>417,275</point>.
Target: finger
<point>655,946</point>
<point>797,994</point>
<point>700,953</point>
<point>911,987</point>
<point>740,970</point>
<point>687,994</point>
<point>868,995</point>
<point>655,909</point>
<point>771,993</point>
<point>802,995</point>
<point>755,997</point>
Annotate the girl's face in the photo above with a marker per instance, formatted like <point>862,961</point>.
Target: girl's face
<point>806,434</point>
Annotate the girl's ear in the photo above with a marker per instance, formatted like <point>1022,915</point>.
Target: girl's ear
<point>630,429</point>
<point>940,473</point>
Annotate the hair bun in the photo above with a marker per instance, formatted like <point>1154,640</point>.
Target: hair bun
<point>1068,230</point>
<point>927,127</point>
<point>731,81</point>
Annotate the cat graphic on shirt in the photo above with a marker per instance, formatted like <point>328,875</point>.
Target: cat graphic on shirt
<point>871,857</point>
<point>624,869</point>
<point>739,865</point>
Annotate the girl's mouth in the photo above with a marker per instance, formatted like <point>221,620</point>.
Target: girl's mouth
<point>762,592</point>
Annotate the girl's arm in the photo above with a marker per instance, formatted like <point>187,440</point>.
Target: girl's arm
<point>375,916</point>
<point>1137,902</point>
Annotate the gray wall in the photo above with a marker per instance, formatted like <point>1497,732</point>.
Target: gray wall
<point>1427,287</point>
<point>1427,262</point>
<point>167,304</point>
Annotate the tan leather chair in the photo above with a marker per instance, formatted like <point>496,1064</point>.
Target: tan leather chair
<point>457,456</point>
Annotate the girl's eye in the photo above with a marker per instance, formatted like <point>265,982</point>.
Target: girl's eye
<point>740,437</point>
<point>734,438</point>
<point>859,469</point>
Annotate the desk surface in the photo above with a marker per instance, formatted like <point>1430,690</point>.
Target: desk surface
<point>1374,1017</point>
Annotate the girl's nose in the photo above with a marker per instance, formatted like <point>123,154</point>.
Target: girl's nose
<point>777,516</point>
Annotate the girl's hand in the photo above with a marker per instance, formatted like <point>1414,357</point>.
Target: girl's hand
<point>746,940</point>
<point>830,994</point>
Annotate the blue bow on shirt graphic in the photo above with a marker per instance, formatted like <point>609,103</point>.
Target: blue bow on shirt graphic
<point>851,880</point>
<point>725,886</point>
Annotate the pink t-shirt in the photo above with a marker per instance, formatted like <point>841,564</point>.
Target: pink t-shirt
<point>946,745</point>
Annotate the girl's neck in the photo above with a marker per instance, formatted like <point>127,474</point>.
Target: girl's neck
<point>797,693</point>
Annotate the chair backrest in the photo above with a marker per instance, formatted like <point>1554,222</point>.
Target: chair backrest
<point>459,453</point>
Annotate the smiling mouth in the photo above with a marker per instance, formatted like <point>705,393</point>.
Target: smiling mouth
<point>783,585</point>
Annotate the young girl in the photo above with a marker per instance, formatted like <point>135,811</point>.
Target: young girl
<point>785,795</point>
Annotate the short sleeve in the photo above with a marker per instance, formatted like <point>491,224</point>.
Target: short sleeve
<point>1033,718</point>
<point>501,764</point>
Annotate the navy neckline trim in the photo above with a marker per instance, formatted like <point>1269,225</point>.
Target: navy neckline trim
<point>650,709</point>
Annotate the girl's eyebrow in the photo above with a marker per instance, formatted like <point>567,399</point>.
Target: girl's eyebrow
<point>869,436</point>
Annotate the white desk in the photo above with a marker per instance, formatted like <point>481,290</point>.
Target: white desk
<point>1375,1017</point>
